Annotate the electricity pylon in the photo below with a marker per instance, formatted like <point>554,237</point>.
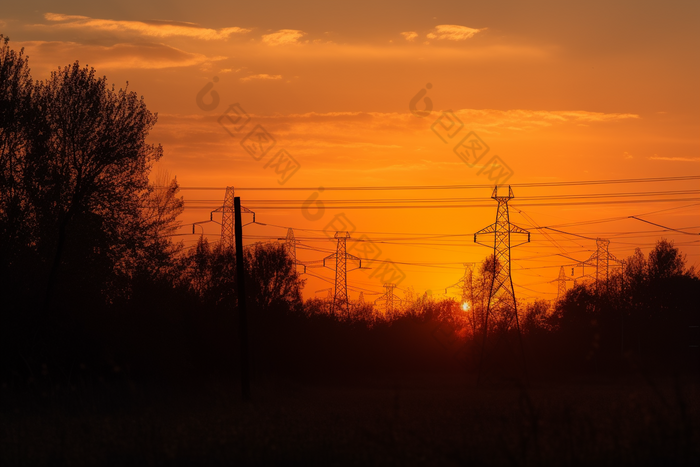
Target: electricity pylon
<point>361,299</point>
<point>561,283</point>
<point>464,284</point>
<point>228,238</point>
<point>389,298</point>
<point>290,245</point>
<point>341,256</point>
<point>328,298</point>
<point>501,291</point>
<point>329,293</point>
<point>227,221</point>
<point>467,290</point>
<point>601,261</point>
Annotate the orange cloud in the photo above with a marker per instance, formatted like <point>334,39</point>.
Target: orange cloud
<point>145,56</point>
<point>674,159</point>
<point>146,28</point>
<point>453,32</point>
<point>410,35</point>
<point>499,121</point>
<point>283,37</point>
<point>374,132</point>
<point>261,76</point>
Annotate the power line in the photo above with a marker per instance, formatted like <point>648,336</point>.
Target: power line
<point>452,206</point>
<point>456,187</point>
<point>572,224</point>
<point>462,199</point>
<point>659,225</point>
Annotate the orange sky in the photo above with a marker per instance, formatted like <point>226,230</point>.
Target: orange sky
<point>559,91</point>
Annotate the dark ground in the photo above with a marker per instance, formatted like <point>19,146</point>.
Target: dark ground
<point>426,419</point>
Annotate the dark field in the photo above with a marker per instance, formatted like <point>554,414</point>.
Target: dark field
<point>426,419</point>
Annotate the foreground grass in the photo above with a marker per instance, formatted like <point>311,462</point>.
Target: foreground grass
<point>402,420</point>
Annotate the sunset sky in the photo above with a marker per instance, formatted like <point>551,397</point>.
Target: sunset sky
<point>561,91</point>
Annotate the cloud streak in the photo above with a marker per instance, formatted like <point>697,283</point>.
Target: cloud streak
<point>283,37</point>
<point>453,32</point>
<point>385,129</point>
<point>159,29</point>
<point>673,159</point>
<point>120,56</point>
<point>261,76</point>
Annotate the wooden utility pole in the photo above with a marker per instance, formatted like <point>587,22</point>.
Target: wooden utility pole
<point>242,312</point>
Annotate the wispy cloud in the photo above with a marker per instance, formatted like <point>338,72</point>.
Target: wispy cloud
<point>582,115</point>
<point>385,129</point>
<point>498,121</point>
<point>148,56</point>
<point>453,32</point>
<point>283,37</point>
<point>370,140</point>
<point>145,28</point>
<point>261,76</point>
<point>674,159</point>
<point>410,35</point>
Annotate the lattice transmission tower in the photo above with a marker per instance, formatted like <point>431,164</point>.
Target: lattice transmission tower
<point>290,245</point>
<point>501,292</point>
<point>561,280</point>
<point>228,238</point>
<point>328,299</point>
<point>603,257</point>
<point>341,256</point>
<point>600,260</point>
<point>389,299</point>
<point>228,234</point>
<point>464,284</point>
<point>467,289</point>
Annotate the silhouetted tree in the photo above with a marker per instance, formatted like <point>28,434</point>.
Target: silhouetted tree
<point>91,157</point>
<point>17,219</point>
<point>665,261</point>
<point>160,209</point>
<point>536,317</point>
<point>643,314</point>
<point>271,277</point>
<point>78,215</point>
